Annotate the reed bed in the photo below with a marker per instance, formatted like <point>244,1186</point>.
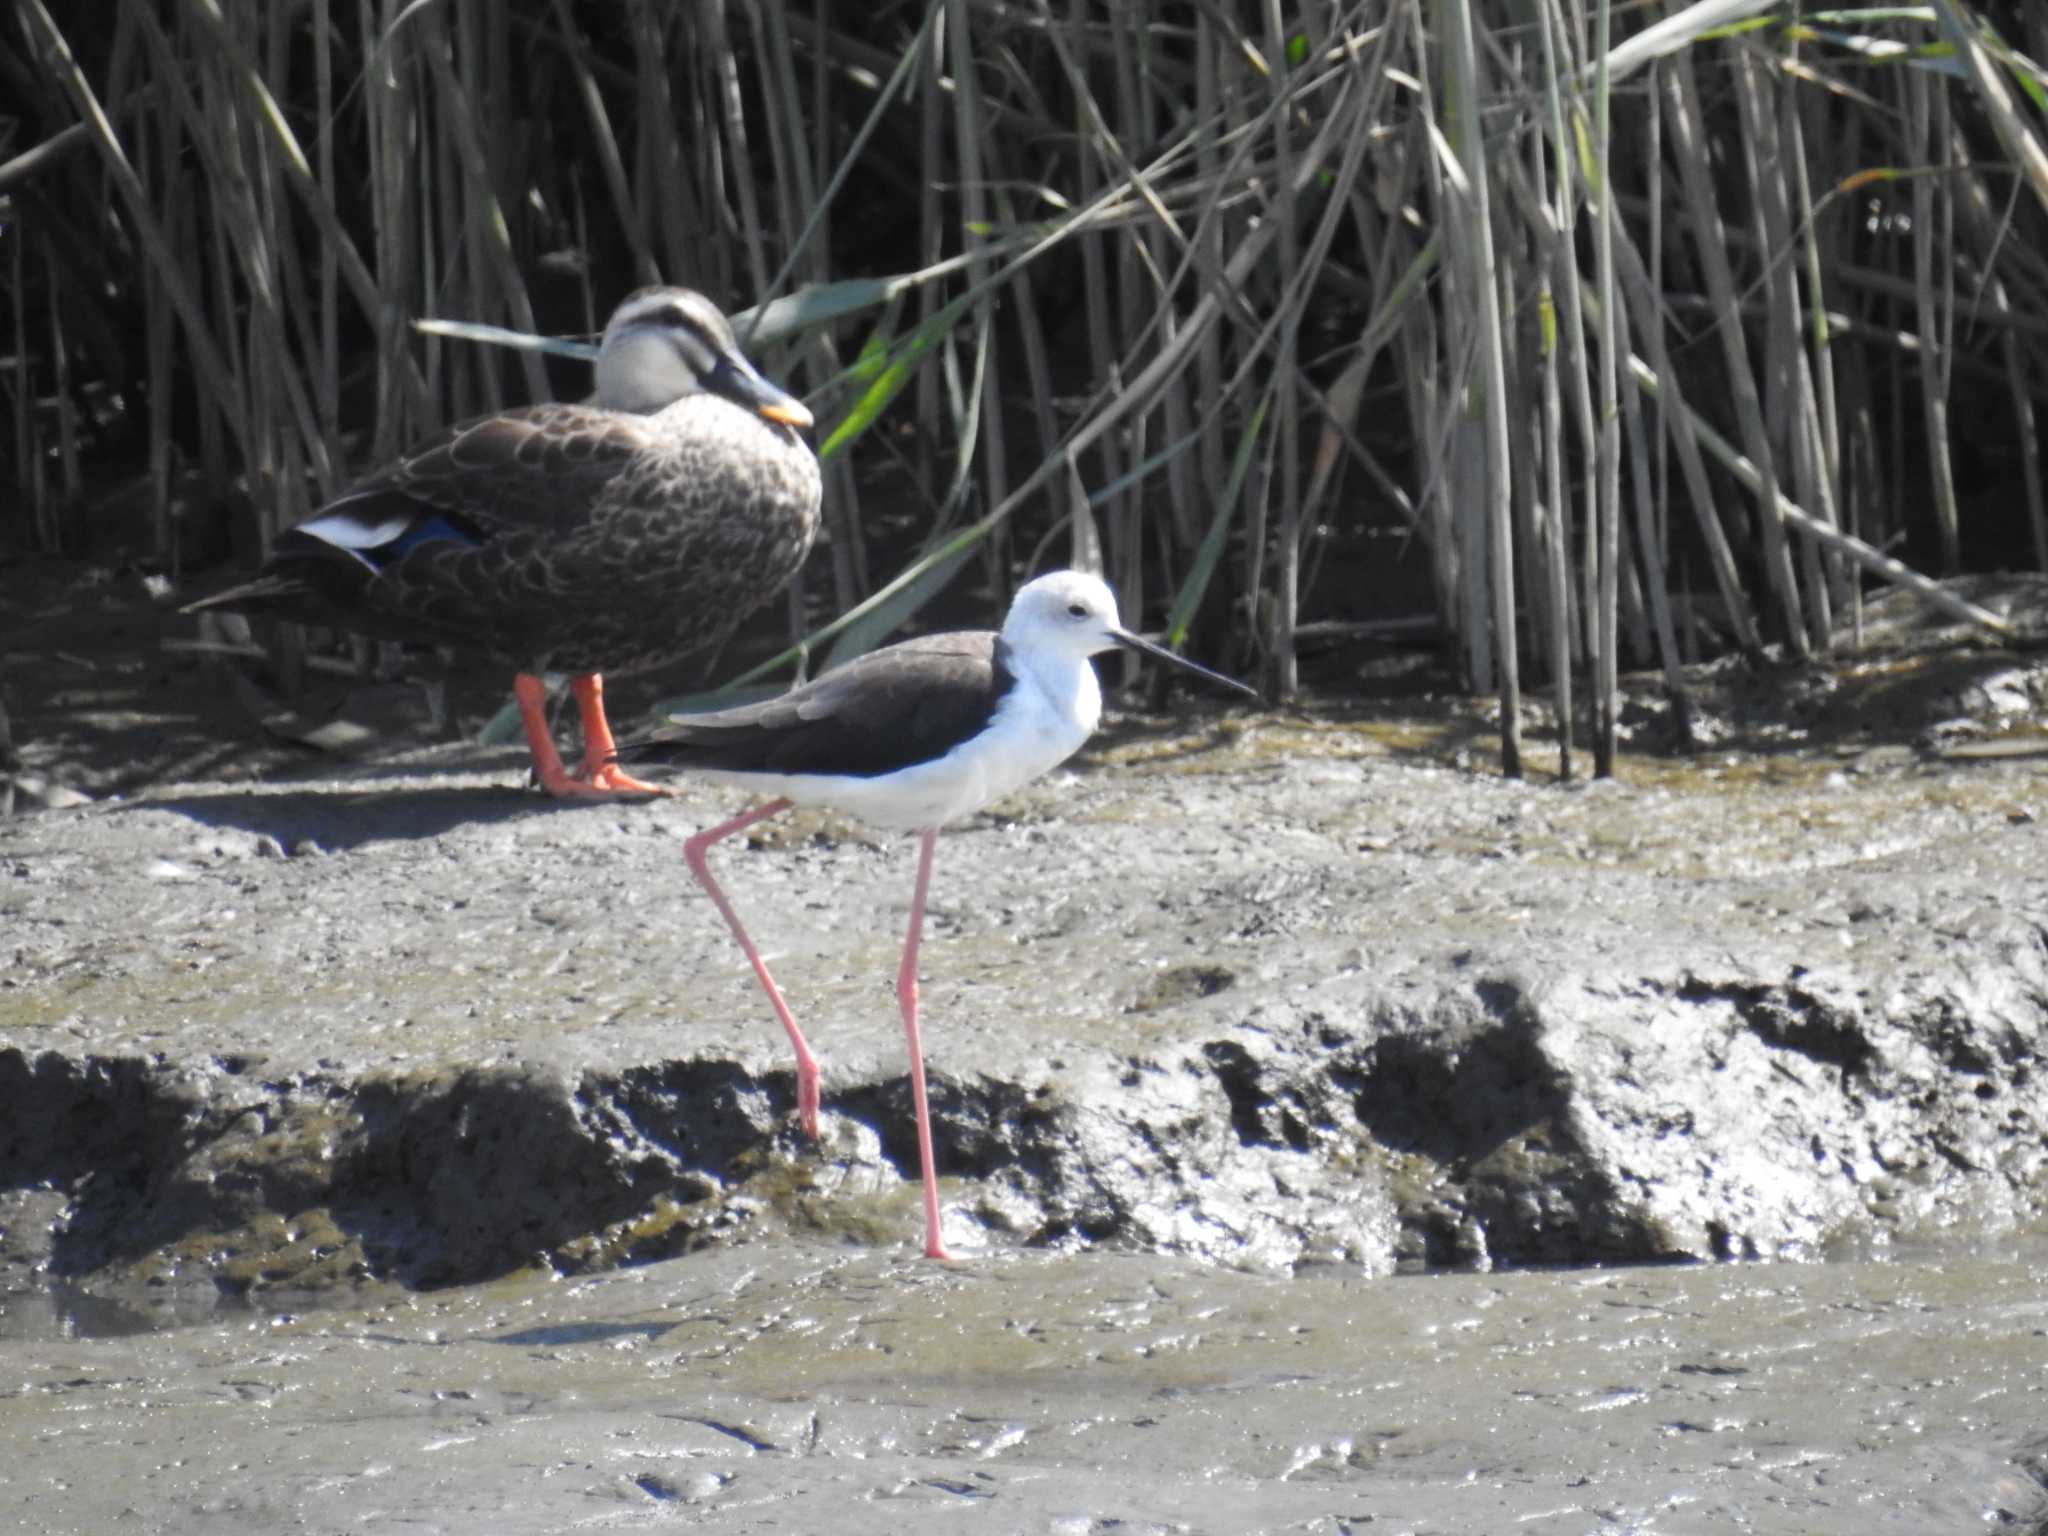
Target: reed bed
<point>1636,334</point>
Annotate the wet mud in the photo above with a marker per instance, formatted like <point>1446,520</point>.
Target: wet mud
<point>1257,994</point>
<point>800,1386</point>
<point>384,1141</point>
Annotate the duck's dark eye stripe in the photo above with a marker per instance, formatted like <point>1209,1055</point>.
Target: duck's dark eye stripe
<point>697,352</point>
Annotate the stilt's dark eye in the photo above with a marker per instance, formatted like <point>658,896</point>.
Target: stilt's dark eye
<point>1077,610</point>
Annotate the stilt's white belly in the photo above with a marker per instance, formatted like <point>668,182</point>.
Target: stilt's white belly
<point>1026,737</point>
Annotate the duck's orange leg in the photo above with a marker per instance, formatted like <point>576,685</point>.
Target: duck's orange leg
<point>598,768</point>
<point>598,775</point>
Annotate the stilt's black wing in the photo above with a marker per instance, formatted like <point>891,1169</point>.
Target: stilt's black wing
<point>894,708</point>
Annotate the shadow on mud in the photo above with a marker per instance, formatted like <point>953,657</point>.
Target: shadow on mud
<point>337,818</point>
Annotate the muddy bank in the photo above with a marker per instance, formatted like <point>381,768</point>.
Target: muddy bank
<point>1259,993</point>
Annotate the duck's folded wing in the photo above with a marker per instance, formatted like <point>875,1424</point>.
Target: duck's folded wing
<point>538,470</point>
<point>524,484</point>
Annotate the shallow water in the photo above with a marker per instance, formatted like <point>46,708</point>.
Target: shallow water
<point>784,1386</point>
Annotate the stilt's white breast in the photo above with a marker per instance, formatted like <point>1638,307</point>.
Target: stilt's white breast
<point>1034,728</point>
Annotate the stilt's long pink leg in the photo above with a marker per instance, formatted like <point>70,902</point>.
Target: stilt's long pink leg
<point>906,999</point>
<point>806,1063</point>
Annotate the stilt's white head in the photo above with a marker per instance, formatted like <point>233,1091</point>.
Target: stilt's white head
<point>1073,614</point>
<point>1066,613</point>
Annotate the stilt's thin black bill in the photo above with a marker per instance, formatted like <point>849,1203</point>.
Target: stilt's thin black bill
<point>1144,647</point>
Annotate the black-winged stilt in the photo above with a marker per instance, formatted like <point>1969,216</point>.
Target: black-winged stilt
<point>585,539</point>
<point>910,738</point>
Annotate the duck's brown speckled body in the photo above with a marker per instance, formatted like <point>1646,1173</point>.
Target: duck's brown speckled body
<point>583,539</point>
<point>589,540</point>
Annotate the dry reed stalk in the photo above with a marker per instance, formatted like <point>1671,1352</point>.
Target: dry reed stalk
<point>932,241</point>
<point>1710,246</point>
<point>664,195</point>
<point>486,238</point>
<point>1648,537</point>
<point>1822,412</point>
<point>1208,240</point>
<point>387,108</point>
<point>983,403</point>
<point>327,350</point>
<point>206,358</point>
<point>1283,662</point>
<point>1934,299</point>
<point>1871,559</point>
<point>1991,238</point>
<point>1195,176</point>
<point>604,144</point>
<point>1103,353</point>
<point>1137,269</point>
<point>26,454</point>
<point>1788,397</point>
<point>1642,295</point>
<point>1475,202</point>
<point>68,479</point>
<point>1561,318</point>
<point>1607,498</point>
<point>233,58</point>
<point>808,248</point>
<point>2022,144</point>
<point>717,51</point>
